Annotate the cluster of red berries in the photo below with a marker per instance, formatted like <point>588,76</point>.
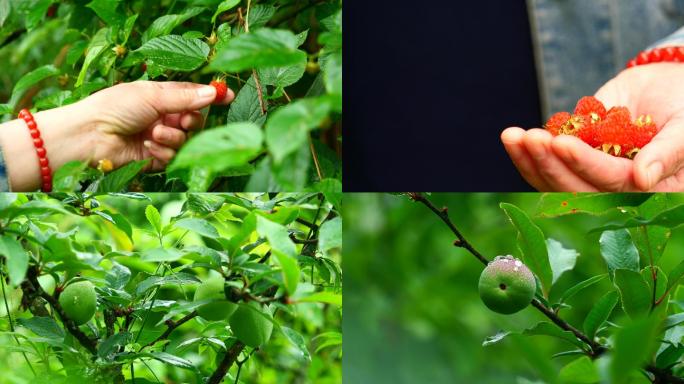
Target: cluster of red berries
<point>611,131</point>
<point>658,55</point>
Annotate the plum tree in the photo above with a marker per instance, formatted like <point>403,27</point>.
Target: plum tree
<point>506,285</point>
<point>79,301</point>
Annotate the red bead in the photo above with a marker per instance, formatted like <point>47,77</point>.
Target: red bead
<point>38,142</point>
<point>632,63</point>
<point>41,152</point>
<point>35,133</point>
<point>31,125</point>
<point>44,162</point>
<point>46,179</point>
<point>655,56</point>
<point>47,187</point>
<point>45,171</point>
<point>642,58</point>
<point>679,54</point>
<point>24,113</point>
<point>668,53</point>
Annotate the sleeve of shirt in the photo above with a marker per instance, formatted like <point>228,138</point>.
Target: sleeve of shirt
<point>675,39</point>
<point>4,182</point>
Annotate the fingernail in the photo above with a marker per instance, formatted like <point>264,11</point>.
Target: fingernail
<point>206,92</point>
<point>653,174</point>
<point>148,144</point>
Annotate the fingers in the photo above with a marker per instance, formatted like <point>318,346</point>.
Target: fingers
<point>163,155</point>
<point>168,136</point>
<point>176,97</point>
<point>662,157</point>
<point>188,121</point>
<point>605,172</point>
<point>554,171</point>
<point>512,139</point>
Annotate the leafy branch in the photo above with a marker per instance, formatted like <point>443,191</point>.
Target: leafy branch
<point>596,349</point>
<point>228,360</point>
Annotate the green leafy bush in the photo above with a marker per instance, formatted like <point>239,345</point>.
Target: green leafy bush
<point>283,59</point>
<point>276,256</point>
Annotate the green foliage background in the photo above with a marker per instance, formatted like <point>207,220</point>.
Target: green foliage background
<point>413,312</point>
<point>79,235</point>
<point>56,52</point>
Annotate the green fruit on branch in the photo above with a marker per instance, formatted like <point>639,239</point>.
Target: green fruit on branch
<point>47,282</point>
<point>251,324</point>
<point>220,308</point>
<point>506,285</point>
<point>79,301</point>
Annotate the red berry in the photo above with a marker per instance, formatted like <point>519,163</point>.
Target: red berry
<point>591,106</point>
<point>557,123</point>
<point>221,90</point>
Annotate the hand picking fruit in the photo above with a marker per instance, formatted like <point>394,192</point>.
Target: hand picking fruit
<point>612,131</point>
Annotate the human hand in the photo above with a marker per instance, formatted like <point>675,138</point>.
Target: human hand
<point>124,123</point>
<point>565,163</point>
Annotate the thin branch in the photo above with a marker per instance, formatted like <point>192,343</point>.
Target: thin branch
<point>228,360</point>
<point>171,326</point>
<point>303,241</point>
<point>315,159</point>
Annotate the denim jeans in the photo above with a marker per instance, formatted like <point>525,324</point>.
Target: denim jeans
<point>581,44</point>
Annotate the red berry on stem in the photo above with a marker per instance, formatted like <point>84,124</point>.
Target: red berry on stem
<point>221,90</point>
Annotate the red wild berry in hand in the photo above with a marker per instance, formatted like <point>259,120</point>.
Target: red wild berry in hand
<point>221,89</point>
<point>611,131</point>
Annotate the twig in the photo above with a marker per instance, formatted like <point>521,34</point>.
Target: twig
<point>303,241</point>
<point>660,375</point>
<point>228,360</point>
<point>171,326</point>
<point>315,159</point>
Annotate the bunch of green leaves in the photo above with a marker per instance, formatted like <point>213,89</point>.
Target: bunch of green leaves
<point>638,318</point>
<point>146,254</point>
<point>282,58</point>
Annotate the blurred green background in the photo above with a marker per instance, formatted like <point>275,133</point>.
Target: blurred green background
<point>413,314</point>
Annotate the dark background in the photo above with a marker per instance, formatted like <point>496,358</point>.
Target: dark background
<point>428,89</point>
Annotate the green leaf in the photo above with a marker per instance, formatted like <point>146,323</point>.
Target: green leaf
<point>165,24</point>
<point>161,254</point>
<point>175,52</point>
<point>580,286</point>
<point>618,250</point>
<point>561,259</point>
<point>98,44</point>
<point>246,105</point>
<point>107,10</point>
<point>675,275</point>
<point>5,10</point>
<point>634,292</point>
<point>171,360</point>
<point>332,190</point>
<point>153,216</point>
<point>221,148</point>
<point>330,235</point>
<point>262,48</point>
<point>288,128</point>
<point>283,248</point>
<point>633,345</point>
<point>532,244</point>
<point>323,297</point>
<point>548,329</point>
<point>30,79</point>
<point>297,340</point>
<point>68,177</point>
<point>580,371</point>
<point>259,15</point>
<point>558,204</point>
<point>290,270</point>
<point>118,180</point>
<point>283,76</point>
<point>111,345</point>
<point>199,226</point>
<point>43,327</point>
<point>16,258</point>
<point>599,313</point>
<point>225,5</point>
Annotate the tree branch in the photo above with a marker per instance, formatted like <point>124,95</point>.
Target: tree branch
<point>228,360</point>
<point>171,326</point>
<point>86,342</point>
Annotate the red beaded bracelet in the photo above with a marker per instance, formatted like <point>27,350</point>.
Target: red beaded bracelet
<point>658,55</point>
<point>45,171</point>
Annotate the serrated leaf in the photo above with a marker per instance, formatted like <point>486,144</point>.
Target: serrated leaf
<point>30,79</point>
<point>117,180</point>
<point>175,52</point>
<point>98,44</point>
<point>262,48</point>
<point>288,128</point>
